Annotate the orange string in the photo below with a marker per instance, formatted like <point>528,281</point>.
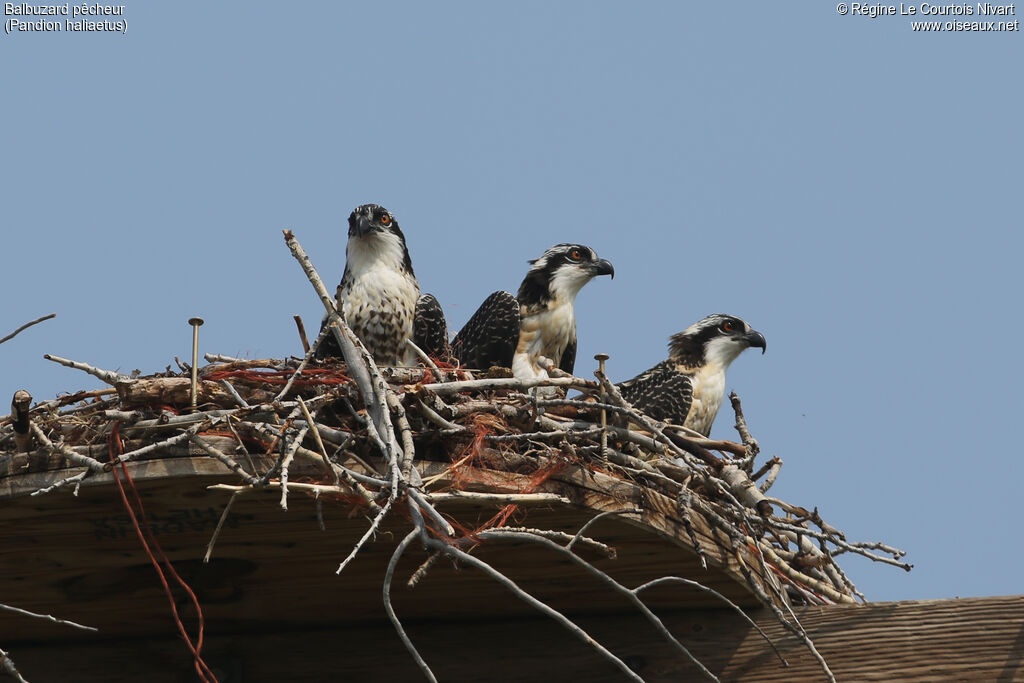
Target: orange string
<point>116,449</point>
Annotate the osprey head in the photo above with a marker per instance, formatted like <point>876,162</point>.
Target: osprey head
<point>560,273</point>
<point>374,237</point>
<point>717,339</point>
<point>371,218</point>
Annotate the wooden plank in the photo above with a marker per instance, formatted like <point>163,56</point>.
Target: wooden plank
<point>977,639</point>
<point>78,558</point>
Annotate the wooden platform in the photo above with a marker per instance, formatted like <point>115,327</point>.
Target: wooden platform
<point>276,610</point>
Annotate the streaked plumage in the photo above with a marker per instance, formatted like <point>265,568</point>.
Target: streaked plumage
<point>515,331</point>
<point>688,387</point>
<point>379,296</point>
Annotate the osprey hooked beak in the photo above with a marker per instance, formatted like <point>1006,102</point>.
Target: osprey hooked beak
<point>359,222</point>
<point>756,339</point>
<point>603,267</point>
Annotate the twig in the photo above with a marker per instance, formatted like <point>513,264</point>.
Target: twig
<point>499,498</point>
<point>287,461</point>
<point>418,575</point>
<point>108,376</point>
<point>7,665</point>
<point>24,327</point>
<point>316,437</point>
<point>60,449</point>
<point>426,359</point>
<point>220,523</point>
<point>47,617</point>
<point>302,333</point>
<point>388,575</point>
<point>20,405</point>
<point>154,447</point>
<point>506,383</point>
<point>76,479</point>
<point>226,459</point>
<point>462,556</point>
<point>590,522</point>
<point>230,388</point>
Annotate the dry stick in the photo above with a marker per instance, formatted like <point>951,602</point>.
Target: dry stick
<point>683,503</point>
<point>425,505</point>
<point>226,459</point>
<point>408,447</point>
<point>727,601</point>
<point>462,556</point>
<point>795,626</point>
<point>388,576</point>
<point>773,473</point>
<point>426,359</point>
<point>76,479</point>
<point>418,575</point>
<point>20,404</point>
<point>60,449</point>
<point>630,595</point>
<point>220,523</point>
<point>791,532</point>
<point>47,617</point>
<point>801,577</point>
<point>602,548</point>
<point>310,351</point>
<point>312,455</point>
<point>108,376</point>
<point>499,498</point>
<point>8,667</point>
<point>360,365</point>
<point>347,341</point>
<point>433,416</point>
<point>302,333</point>
<point>230,388</point>
<point>895,552</point>
<point>590,522</point>
<point>765,468</point>
<point>159,445</point>
<point>507,383</point>
<point>741,428</point>
<point>241,444</point>
<point>316,437</point>
<point>315,489</point>
<point>287,461</point>
<point>24,327</point>
<point>710,444</point>
<point>366,536</point>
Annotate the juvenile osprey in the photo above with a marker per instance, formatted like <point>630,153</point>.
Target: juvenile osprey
<point>379,296</point>
<point>514,331</point>
<point>688,387</point>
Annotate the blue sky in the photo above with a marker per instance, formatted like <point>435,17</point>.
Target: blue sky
<point>849,186</point>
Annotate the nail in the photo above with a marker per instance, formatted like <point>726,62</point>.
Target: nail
<point>195,323</point>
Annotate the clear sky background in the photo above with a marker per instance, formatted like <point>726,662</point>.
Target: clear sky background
<point>850,187</point>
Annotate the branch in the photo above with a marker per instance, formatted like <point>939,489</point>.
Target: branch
<point>108,376</point>
<point>47,617</point>
<point>12,335</point>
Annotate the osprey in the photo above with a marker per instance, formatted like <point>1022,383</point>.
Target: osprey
<point>379,296</point>
<point>688,387</point>
<point>515,331</point>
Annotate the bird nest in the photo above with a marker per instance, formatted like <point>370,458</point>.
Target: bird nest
<point>405,440</point>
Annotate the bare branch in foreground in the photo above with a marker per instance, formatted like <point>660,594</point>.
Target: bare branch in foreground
<point>27,325</point>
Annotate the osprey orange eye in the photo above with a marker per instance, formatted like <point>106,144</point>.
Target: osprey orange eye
<point>575,254</point>
<point>385,219</point>
<point>727,326</point>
